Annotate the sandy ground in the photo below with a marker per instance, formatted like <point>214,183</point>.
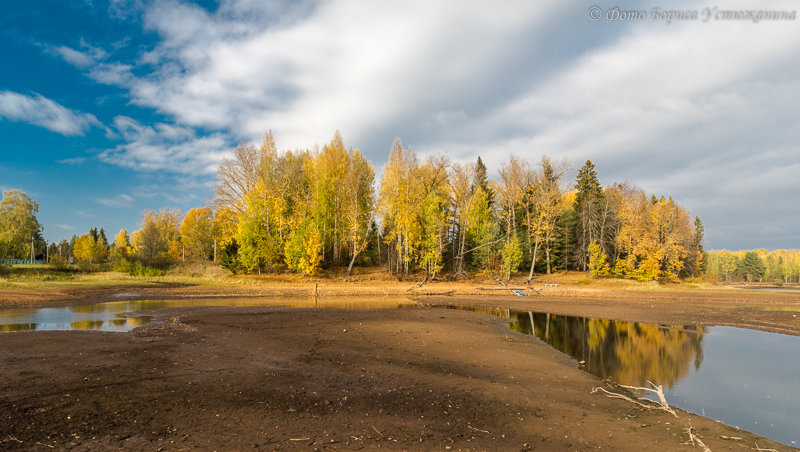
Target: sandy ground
<point>401,379</point>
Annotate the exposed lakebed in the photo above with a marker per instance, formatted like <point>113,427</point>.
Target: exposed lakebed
<point>745,378</point>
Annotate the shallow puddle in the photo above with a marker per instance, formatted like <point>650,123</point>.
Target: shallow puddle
<point>121,316</point>
<point>745,378</point>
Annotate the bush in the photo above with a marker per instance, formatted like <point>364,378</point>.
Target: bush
<point>139,269</point>
<point>59,263</point>
<point>122,265</point>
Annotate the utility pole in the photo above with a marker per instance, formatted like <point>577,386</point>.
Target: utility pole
<point>215,250</point>
<point>31,249</point>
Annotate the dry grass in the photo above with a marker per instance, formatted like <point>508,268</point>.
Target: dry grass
<point>363,280</point>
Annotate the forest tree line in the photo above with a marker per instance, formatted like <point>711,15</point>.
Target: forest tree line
<point>311,210</point>
<point>778,266</point>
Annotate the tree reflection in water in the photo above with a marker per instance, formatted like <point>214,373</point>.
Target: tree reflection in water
<point>629,353</point>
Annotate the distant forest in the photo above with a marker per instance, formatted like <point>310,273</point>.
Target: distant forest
<point>307,211</point>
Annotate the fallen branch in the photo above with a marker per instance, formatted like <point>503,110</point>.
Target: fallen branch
<point>419,284</point>
<point>449,292</point>
<point>657,389</point>
<point>765,450</point>
<point>695,440</point>
<point>500,288</point>
<point>616,395</point>
<point>477,429</point>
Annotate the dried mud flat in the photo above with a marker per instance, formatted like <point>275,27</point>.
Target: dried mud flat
<point>399,379</point>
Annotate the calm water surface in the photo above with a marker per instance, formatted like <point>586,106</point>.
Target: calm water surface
<point>745,378</point>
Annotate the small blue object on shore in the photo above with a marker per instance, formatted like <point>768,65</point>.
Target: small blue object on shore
<point>519,293</point>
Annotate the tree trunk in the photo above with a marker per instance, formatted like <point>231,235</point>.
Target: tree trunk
<point>353,259</point>
<point>547,252</point>
<point>533,260</point>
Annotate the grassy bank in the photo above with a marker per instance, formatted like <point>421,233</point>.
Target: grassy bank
<point>205,273</point>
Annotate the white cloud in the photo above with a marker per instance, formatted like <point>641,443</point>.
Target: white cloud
<point>74,57</point>
<point>72,161</point>
<point>165,147</point>
<point>685,109</point>
<point>307,71</point>
<point>122,200</point>
<point>41,111</point>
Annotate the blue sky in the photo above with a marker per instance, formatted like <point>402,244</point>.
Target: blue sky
<point>108,108</point>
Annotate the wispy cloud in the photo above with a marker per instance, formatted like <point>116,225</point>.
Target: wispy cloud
<point>43,112</point>
<point>165,147</point>
<point>121,200</point>
<point>72,161</point>
<point>87,56</point>
<point>63,226</point>
<point>83,213</point>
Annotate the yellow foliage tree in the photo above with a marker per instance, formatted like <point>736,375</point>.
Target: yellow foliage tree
<point>197,233</point>
<point>598,261</point>
<point>399,203</point>
<point>84,249</point>
<point>654,237</point>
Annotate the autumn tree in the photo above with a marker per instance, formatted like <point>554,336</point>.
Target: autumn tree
<point>398,203</point>
<point>328,169</point>
<point>359,203</point>
<point>257,246</point>
<point>482,227</point>
<point>122,242</point>
<point>18,224</point>
<point>654,237</point>
<point>303,244</point>
<point>598,261</point>
<point>156,242</point>
<point>461,193</point>
<point>433,213</point>
<point>550,201</point>
<point>515,177</point>
<point>197,232</point>
<point>511,256</point>
<point>237,176</point>
<point>481,230</point>
<point>728,264</point>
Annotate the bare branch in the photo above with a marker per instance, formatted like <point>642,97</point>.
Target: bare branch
<point>651,405</point>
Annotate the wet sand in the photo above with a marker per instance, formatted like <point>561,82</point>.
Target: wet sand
<point>276,378</point>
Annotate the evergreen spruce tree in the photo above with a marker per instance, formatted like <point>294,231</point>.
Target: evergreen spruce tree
<point>587,184</point>
<point>586,227</point>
